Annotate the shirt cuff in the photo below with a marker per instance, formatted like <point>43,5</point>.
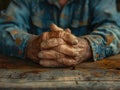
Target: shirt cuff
<point>97,46</point>
<point>20,38</point>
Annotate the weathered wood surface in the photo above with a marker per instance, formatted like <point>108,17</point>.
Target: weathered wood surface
<point>18,74</point>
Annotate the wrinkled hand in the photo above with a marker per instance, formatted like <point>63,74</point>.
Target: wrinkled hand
<point>64,55</point>
<point>34,43</point>
<point>57,52</point>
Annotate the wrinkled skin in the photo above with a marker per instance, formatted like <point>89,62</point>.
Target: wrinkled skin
<point>58,48</point>
<point>34,43</point>
<point>65,55</point>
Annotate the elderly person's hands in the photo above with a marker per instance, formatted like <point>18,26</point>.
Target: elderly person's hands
<point>61,51</point>
<point>58,38</point>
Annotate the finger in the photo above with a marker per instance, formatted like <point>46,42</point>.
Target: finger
<point>67,61</point>
<point>50,63</point>
<point>68,37</point>
<point>52,43</point>
<point>67,50</point>
<point>44,36</point>
<point>54,27</point>
<point>68,30</point>
<point>51,54</point>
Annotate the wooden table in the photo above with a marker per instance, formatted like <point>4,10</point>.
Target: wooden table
<point>18,74</point>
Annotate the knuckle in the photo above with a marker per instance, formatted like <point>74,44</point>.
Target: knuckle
<point>72,63</point>
<point>43,45</point>
<point>54,34</point>
<point>75,53</point>
<point>59,40</point>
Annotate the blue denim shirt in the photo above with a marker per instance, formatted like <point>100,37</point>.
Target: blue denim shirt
<point>96,20</point>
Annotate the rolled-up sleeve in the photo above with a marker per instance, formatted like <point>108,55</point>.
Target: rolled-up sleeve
<point>14,25</point>
<point>105,38</point>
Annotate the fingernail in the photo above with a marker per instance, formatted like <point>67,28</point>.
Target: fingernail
<point>42,45</point>
<point>40,55</point>
<point>75,42</point>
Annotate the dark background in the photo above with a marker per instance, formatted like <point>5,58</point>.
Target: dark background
<point>4,3</point>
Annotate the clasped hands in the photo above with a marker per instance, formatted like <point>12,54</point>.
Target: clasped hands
<point>58,48</point>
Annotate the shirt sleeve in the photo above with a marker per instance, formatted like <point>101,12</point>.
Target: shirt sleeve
<point>14,25</point>
<point>105,38</point>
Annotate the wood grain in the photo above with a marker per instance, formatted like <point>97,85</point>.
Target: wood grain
<point>23,74</point>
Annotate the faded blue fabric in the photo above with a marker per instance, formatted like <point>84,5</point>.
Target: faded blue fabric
<point>96,20</point>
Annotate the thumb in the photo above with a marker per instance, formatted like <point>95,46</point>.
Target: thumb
<point>54,27</point>
<point>68,30</point>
